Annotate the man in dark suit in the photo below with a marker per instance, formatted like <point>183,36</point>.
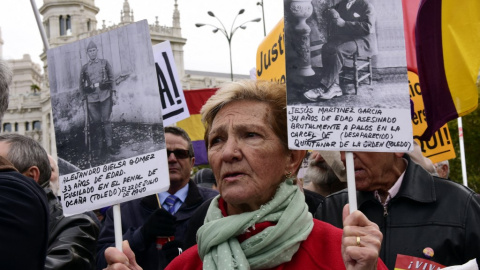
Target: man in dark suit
<point>352,31</point>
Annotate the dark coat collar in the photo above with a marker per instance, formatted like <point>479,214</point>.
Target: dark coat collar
<point>417,185</point>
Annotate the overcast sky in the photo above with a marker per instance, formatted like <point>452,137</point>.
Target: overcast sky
<point>204,50</point>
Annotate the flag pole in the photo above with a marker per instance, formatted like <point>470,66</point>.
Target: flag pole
<point>462,152</point>
<point>352,192</point>
<point>40,25</point>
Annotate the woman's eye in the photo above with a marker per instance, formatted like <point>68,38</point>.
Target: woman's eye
<point>252,134</point>
<point>214,141</point>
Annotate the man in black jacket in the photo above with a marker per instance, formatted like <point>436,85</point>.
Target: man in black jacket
<point>413,209</point>
<point>148,228</point>
<point>23,207</point>
<point>23,220</point>
<point>71,240</point>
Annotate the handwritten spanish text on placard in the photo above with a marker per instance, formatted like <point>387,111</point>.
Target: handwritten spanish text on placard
<point>348,129</point>
<point>113,183</point>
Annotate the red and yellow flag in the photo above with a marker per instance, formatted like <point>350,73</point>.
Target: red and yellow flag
<point>193,125</point>
<point>448,58</point>
<point>439,147</point>
<point>410,10</point>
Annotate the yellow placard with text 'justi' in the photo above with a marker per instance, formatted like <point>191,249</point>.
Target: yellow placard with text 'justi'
<point>271,56</point>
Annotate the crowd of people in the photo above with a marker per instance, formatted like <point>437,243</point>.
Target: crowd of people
<point>248,210</point>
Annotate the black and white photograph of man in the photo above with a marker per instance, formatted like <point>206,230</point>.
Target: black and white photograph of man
<point>105,99</point>
<point>99,94</point>
<point>346,53</point>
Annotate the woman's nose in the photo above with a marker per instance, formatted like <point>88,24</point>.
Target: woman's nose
<point>231,149</point>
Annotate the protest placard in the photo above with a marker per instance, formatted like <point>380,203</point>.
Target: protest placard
<point>107,119</point>
<point>405,262</point>
<point>440,146</point>
<point>113,183</point>
<point>174,107</point>
<point>271,56</point>
<point>347,86</point>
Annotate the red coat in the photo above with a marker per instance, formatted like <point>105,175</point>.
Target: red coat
<point>321,250</point>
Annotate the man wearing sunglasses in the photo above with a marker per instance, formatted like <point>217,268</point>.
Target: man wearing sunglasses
<point>156,235</point>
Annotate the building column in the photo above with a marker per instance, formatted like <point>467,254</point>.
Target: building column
<point>46,132</point>
<point>21,128</point>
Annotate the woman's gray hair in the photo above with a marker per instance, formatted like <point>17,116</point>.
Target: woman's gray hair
<point>5,80</point>
<point>25,152</point>
<point>271,93</point>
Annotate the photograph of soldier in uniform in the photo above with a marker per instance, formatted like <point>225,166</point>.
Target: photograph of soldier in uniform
<point>348,53</point>
<point>99,95</point>
<point>105,98</point>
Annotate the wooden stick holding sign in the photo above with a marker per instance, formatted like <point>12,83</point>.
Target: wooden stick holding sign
<point>352,191</point>
<point>117,225</point>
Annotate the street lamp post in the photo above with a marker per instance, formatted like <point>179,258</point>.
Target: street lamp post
<point>228,35</point>
<point>263,16</point>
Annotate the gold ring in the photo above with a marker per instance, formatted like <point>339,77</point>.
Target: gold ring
<point>358,240</point>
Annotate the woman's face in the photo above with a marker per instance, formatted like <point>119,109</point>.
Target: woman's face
<point>246,156</point>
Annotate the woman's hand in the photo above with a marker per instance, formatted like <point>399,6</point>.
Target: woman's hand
<point>118,260</point>
<point>361,241</point>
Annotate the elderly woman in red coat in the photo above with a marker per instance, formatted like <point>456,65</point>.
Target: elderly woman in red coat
<point>260,219</point>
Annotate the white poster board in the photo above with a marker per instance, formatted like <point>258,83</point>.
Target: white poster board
<point>326,111</point>
<point>174,106</point>
<point>107,119</point>
<point>114,183</point>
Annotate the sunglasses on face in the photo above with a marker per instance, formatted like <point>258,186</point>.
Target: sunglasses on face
<point>179,153</point>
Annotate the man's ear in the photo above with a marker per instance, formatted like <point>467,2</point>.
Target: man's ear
<point>33,172</point>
